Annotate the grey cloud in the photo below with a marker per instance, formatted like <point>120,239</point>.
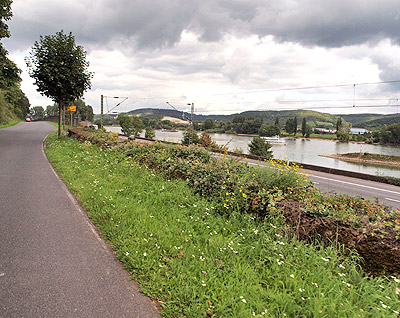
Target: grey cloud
<point>141,25</point>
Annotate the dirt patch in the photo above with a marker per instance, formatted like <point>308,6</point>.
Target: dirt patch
<point>378,247</point>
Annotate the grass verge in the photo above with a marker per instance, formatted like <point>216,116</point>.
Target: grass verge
<point>199,263</point>
<point>13,123</point>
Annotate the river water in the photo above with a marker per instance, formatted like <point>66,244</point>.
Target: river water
<point>301,150</point>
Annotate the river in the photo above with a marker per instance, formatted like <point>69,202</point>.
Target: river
<point>302,150</point>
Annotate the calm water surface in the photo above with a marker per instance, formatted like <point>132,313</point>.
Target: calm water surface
<point>301,150</point>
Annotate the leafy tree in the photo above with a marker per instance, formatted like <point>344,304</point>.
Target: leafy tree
<point>260,147</point>
<point>389,134</point>
<point>209,123</point>
<point>269,130</point>
<point>303,127</point>
<point>9,72</point>
<point>51,110</point>
<point>5,15</point>
<point>137,125</point>
<point>17,99</point>
<point>278,126</point>
<point>339,125</point>
<point>190,137</point>
<point>126,123</point>
<point>343,134</point>
<point>85,112</point>
<point>60,69</point>
<point>37,113</point>
<point>150,133</point>
<point>291,126</point>
<point>308,131</point>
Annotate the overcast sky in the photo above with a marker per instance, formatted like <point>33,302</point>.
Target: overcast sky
<point>225,56</point>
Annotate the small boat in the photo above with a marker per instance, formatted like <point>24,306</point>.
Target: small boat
<point>275,140</point>
<point>169,130</point>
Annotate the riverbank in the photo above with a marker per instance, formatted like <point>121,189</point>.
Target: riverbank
<point>368,159</point>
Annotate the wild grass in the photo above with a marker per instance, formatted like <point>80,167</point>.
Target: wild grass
<point>199,263</point>
<point>13,123</point>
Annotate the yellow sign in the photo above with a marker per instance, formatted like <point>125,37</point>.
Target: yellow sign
<point>72,108</point>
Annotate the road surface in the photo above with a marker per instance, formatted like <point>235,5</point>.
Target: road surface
<point>52,261</point>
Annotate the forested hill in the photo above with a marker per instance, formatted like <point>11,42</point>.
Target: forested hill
<point>314,119</point>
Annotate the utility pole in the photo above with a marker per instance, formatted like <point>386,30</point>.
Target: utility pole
<point>101,111</point>
<point>191,122</point>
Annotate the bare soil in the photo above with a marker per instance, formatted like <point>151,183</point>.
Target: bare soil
<point>379,247</point>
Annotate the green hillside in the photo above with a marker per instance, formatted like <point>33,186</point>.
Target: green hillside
<point>314,119</point>
<point>385,120</point>
<point>358,119</point>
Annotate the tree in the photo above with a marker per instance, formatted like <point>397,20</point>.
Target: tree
<point>303,127</point>
<point>308,131</point>
<point>291,126</point>
<point>150,133</point>
<point>137,125</point>
<point>209,123</point>
<point>259,147</point>
<point>339,125</point>
<point>126,123</point>
<point>51,110</point>
<point>343,134</point>
<point>268,130</point>
<point>190,137</point>
<point>85,112</point>
<point>37,113</point>
<point>60,69</point>
<point>5,15</point>
<point>278,126</point>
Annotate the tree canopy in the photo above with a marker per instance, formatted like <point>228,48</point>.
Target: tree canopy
<point>60,69</point>
<point>13,102</point>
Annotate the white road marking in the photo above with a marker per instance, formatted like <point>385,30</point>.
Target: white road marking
<point>358,185</point>
<point>392,200</point>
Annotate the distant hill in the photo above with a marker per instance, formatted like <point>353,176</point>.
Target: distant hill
<point>313,118</point>
<point>358,119</point>
<point>379,122</point>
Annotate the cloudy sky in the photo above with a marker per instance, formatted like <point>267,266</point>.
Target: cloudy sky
<point>225,56</point>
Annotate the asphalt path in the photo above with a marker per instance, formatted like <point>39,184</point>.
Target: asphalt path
<point>53,263</point>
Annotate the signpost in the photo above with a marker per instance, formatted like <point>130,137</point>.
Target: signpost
<point>71,109</point>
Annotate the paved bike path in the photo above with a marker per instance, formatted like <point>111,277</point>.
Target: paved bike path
<point>52,261</point>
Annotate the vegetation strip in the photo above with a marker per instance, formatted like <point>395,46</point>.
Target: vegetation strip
<point>197,262</point>
<point>367,158</point>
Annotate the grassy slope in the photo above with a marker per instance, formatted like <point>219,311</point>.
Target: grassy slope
<point>197,262</point>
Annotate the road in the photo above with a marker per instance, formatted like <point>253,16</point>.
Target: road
<point>385,193</point>
<point>52,261</point>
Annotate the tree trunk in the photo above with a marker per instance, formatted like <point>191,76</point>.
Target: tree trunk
<point>59,120</point>
<point>63,116</point>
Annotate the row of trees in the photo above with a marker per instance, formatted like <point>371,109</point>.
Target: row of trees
<point>83,111</point>
<point>248,125</point>
<point>14,104</point>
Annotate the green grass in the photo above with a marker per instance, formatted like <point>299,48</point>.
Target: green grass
<point>197,262</point>
<point>13,123</point>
